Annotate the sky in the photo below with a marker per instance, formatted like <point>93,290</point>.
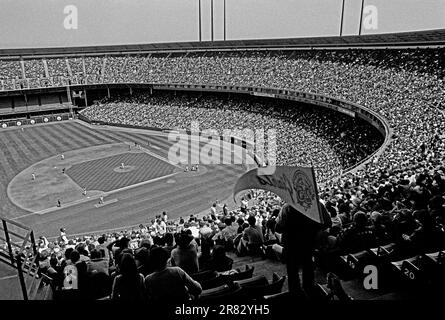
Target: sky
<point>40,23</point>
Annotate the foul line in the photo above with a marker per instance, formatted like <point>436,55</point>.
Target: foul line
<point>8,277</point>
<point>105,194</point>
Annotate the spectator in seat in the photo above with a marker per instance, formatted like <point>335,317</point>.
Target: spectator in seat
<point>169,239</point>
<point>142,257</point>
<point>251,239</point>
<point>227,234</point>
<point>270,236</point>
<point>97,263</point>
<point>336,220</point>
<point>75,272</point>
<point>117,247</point>
<point>169,284</point>
<point>436,208</point>
<point>241,225</point>
<point>84,256</point>
<point>55,272</point>
<point>218,260</point>
<point>359,236</point>
<point>381,229</point>
<point>102,247</point>
<point>129,284</point>
<point>185,255</point>
<point>66,260</point>
<point>422,237</point>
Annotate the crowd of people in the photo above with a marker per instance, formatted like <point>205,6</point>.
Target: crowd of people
<point>397,197</point>
<point>158,252</point>
<point>328,140</point>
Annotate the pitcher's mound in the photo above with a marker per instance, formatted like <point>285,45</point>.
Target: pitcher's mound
<point>124,169</point>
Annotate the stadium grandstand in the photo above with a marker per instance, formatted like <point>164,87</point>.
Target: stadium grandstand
<point>93,208</point>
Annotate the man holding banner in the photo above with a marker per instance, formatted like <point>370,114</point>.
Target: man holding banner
<point>300,220</point>
<point>299,237</point>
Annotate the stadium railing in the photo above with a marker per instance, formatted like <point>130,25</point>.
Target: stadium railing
<point>20,252</point>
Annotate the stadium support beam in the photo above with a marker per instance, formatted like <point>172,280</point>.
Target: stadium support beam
<point>342,16</point>
<point>225,20</point>
<point>361,18</point>
<point>85,97</point>
<point>199,20</point>
<point>211,19</point>
<point>68,94</point>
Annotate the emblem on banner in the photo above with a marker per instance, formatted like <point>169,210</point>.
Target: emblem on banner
<point>303,189</point>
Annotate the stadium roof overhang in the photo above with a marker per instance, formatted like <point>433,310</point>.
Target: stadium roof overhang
<point>428,38</point>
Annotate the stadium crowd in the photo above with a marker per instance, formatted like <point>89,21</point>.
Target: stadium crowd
<point>398,197</point>
<point>189,245</point>
<point>328,140</point>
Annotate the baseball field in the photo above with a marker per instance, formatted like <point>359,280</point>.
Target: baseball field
<point>96,178</point>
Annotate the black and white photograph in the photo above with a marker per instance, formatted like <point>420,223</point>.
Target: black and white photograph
<point>222,158</point>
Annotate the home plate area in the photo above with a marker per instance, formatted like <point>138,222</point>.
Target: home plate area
<point>108,174</point>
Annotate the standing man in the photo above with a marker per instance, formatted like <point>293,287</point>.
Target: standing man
<point>299,240</point>
<point>62,157</point>
<point>63,237</point>
<point>33,176</point>
<point>213,210</point>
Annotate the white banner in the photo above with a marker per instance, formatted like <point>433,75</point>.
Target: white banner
<point>295,185</point>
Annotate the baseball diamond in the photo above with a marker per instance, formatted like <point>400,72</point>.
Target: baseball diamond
<point>20,150</point>
<point>102,174</point>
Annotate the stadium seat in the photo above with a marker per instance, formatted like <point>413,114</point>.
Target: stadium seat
<point>335,286</point>
<point>356,261</point>
<point>204,275</point>
<point>418,269</point>
<point>322,293</point>
<point>224,293</point>
<point>253,282</point>
<point>67,295</point>
<point>437,257</point>
<point>277,298</point>
<point>99,285</point>
<point>228,278</point>
<point>258,286</point>
<point>217,281</point>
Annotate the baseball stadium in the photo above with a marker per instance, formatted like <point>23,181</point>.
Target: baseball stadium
<point>187,154</point>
